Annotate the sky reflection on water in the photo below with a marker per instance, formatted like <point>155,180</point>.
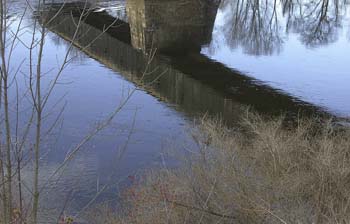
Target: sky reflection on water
<point>285,54</point>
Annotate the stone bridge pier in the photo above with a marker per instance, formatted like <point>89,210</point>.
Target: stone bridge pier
<point>171,26</point>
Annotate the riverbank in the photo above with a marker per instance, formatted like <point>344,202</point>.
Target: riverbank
<point>261,172</point>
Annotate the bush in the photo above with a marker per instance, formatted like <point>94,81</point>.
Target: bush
<point>261,172</point>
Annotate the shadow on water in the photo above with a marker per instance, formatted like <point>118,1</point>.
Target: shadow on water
<point>188,79</point>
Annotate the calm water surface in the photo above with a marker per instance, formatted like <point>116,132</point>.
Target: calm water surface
<point>301,49</point>
<point>216,58</point>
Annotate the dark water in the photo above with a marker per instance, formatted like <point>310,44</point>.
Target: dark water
<point>212,57</point>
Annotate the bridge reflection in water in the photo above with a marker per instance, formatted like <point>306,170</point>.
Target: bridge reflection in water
<point>191,81</point>
<point>171,25</point>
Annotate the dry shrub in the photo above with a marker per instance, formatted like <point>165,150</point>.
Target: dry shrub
<point>261,172</point>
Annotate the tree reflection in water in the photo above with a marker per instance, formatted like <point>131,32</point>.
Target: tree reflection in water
<point>260,27</point>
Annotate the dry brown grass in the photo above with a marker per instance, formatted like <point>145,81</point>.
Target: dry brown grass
<point>259,173</point>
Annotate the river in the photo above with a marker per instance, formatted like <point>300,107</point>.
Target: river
<point>215,58</point>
